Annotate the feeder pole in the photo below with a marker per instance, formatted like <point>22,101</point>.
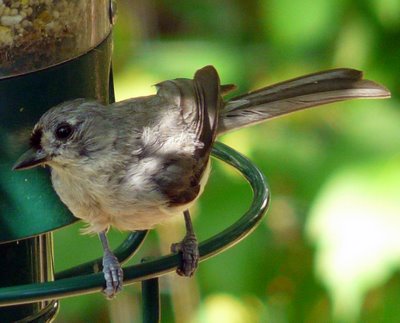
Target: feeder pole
<point>49,53</point>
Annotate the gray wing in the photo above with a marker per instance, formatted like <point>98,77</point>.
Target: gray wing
<point>199,101</point>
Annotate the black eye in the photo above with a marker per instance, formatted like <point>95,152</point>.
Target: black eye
<point>63,131</point>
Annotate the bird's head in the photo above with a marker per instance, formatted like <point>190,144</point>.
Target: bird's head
<point>66,136</point>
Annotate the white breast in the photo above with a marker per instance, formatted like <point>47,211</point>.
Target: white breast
<point>136,205</point>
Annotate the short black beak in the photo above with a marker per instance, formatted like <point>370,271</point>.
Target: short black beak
<point>31,158</point>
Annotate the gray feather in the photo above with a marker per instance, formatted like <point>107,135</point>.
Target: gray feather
<point>297,94</point>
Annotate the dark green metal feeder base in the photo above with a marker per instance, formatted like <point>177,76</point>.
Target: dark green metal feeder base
<point>28,204</point>
<point>29,207</point>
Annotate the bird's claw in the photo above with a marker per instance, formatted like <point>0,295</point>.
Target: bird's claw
<point>189,249</point>
<point>113,275</point>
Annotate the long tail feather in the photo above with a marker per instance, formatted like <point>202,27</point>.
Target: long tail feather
<point>297,94</point>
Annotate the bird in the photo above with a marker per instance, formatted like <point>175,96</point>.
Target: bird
<point>136,163</point>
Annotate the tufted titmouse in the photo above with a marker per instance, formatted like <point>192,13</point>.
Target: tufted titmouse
<point>135,163</point>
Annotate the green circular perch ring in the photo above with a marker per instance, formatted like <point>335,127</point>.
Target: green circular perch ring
<point>82,280</point>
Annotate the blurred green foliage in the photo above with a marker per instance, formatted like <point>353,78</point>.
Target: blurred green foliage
<point>287,270</point>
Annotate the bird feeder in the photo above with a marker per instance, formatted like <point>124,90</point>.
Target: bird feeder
<point>52,51</point>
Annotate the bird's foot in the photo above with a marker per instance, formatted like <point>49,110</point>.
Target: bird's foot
<point>113,275</point>
<point>189,249</point>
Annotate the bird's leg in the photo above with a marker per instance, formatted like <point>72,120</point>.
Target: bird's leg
<point>189,249</point>
<point>112,270</point>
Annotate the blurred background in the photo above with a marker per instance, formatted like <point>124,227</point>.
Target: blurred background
<point>329,248</point>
